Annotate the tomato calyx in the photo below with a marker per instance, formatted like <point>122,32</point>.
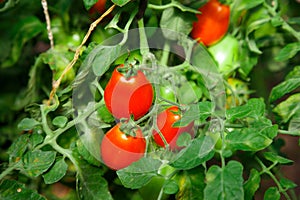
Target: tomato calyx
<point>128,69</point>
<point>129,127</point>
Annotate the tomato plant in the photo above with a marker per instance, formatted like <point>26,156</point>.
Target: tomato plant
<point>119,150</point>
<point>212,24</point>
<point>126,96</point>
<point>167,133</point>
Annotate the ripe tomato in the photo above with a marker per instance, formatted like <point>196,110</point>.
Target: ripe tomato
<point>212,23</point>
<point>226,53</point>
<point>98,8</point>
<point>128,96</point>
<point>165,121</point>
<point>119,150</point>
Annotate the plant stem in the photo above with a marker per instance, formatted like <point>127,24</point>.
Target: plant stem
<point>165,54</point>
<point>267,170</point>
<point>143,38</point>
<point>9,170</point>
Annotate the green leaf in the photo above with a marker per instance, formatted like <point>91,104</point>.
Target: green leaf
<point>294,125</point>
<point>284,88</point>
<point>287,184</point>
<point>176,21</point>
<point>170,187</point>
<point>252,184</point>
<point>83,151</point>
<point>56,172</point>
<point>12,190</point>
<point>248,139</point>
<point>18,148</point>
<point>288,108</point>
<point>24,30</point>
<point>224,183</point>
<point>248,61</point>
<point>120,2</point>
<point>36,139</point>
<point>105,115</point>
<point>247,4</point>
<point>276,158</point>
<point>37,162</point>
<point>27,124</point>
<point>199,151</point>
<point>184,139</point>
<point>201,111</point>
<point>139,173</point>
<point>289,51</point>
<point>91,184</point>
<point>103,57</point>
<point>191,184</point>
<point>89,3</point>
<point>60,121</point>
<point>272,194</point>
<point>295,73</point>
<point>253,108</point>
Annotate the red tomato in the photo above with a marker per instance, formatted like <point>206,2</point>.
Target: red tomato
<point>119,150</point>
<point>98,8</point>
<point>165,121</point>
<point>212,23</point>
<point>128,96</point>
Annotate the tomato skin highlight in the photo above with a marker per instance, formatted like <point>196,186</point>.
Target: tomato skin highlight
<point>212,23</point>
<point>125,97</point>
<point>165,121</point>
<point>119,150</point>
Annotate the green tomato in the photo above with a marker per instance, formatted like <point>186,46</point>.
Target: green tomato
<point>226,54</point>
<point>167,92</point>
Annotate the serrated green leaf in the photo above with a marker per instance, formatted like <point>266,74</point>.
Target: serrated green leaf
<point>254,108</point>
<point>288,108</point>
<point>283,88</point>
<point>18,148</point>
<point>248,139</point>
<point>56,172</point>
<point>60,121</point>
<point>251,185</point>
<point>105,115</point>
<point>12,190</point>
<point>103,57</point>
<point>27,124</point>
<point>276,158</point>
<point>199,151</point>
<point>37,162</point>
<point>120,2</point>
<point>289,51</point>
<point>170,187</point>
<point>139,173</point>
<point>225,183</point>
<point>191,184</point>
<point>91,184</point>
<point>176,21</point>
<point>272,194</point>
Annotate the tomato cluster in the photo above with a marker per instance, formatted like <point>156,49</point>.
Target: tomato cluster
<point>128,96</point>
